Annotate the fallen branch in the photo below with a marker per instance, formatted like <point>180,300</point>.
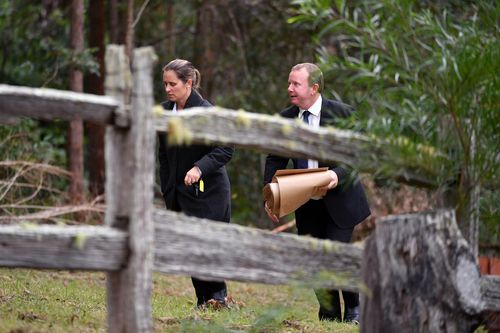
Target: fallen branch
<point>54,212</point>
<point>38,166</point>
<point>28,185</point>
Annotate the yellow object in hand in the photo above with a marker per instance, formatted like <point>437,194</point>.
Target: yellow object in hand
<point>202,185</point>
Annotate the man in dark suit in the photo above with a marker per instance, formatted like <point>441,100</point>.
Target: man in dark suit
<point>344,205</point>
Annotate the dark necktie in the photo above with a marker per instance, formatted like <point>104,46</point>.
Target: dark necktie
<point>302,163</point>
<point>305,116</point>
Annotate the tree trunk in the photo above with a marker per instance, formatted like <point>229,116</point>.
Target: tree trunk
<point>170,27</point>
<point>95,85</point>
<point>205,44</point>
<point>468,208</point>
<point>468,212</point>
<point>114,30</point>
<point>75,133</point>
<point>129,31</point>
<point>462,194</point>
<point>422,275</point>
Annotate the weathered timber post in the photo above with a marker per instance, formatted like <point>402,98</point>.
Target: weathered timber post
<point>129,189</point>
<point>422,275</point>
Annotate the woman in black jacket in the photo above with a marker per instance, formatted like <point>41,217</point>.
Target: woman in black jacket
<point>194,178</point>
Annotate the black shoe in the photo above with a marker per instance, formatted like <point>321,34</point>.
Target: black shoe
<point>214,304</point>
<point>329,315</point>
<point>351,315</point>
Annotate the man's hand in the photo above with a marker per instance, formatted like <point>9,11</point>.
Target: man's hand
<point>192,176</point>
<point>270,214</point>
<point>333,183</point>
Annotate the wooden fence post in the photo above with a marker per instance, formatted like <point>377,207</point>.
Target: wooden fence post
<point>422,275</point>
<point>129,189</point>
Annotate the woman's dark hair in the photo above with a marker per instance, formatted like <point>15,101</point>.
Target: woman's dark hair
<point>185,71</point>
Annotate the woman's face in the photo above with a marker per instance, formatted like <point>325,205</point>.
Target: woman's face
<point>177,91</point>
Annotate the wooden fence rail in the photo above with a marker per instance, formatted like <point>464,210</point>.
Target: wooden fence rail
<point>246,254</point>
<point>58,247</point>
<point>283,137</point>
<point>251,255</point>
<point>137,239</point>
<point>50,104</point>
<point>102,248</point>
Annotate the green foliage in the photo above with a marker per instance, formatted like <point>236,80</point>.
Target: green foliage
<point>34,45</point>
<point>33,141</point>
<point>35,51</point>
<point>422,74</point>
<point>490,215</point>
<point>28,174</point>
<point>248,70</point>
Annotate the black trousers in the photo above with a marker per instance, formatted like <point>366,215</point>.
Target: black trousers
<point>205,290</point>
<point>313,220</point>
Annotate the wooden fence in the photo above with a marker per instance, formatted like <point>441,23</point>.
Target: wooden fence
<point>415,272</point>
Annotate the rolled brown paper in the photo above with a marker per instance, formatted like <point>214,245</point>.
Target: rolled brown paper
<point>291,188</point>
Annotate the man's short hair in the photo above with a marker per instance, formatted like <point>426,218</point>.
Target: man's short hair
<point>315,74</point>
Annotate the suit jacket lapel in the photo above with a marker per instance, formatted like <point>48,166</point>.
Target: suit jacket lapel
<point>325,115</point>
<point>291,112</point>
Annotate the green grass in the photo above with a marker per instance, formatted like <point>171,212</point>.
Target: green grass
<point>61,301</point>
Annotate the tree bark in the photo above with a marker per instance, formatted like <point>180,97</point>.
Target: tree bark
<point>205,44</point>
<point>75,132</point>
<point>114,30</point>
<point>170,27</point>
<point>463,194</point>
<point>422,275</point>
<point>95,85</point>
<point>469,190</point>
<point>129,31</point>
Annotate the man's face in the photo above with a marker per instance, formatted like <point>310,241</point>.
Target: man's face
<point>299,91</point>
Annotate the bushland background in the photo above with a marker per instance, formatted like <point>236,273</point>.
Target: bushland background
<point>421,74</point>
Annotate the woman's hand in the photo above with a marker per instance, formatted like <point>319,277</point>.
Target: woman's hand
<point>192,176</point>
